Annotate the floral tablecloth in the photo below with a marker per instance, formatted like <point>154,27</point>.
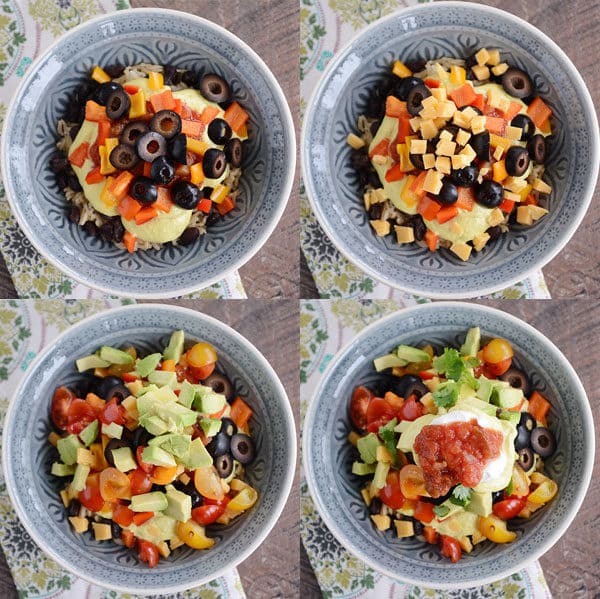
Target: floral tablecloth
<point>325,328</point>
<point>26,326</point>
<point>325,27</point>
<point>27,27</point>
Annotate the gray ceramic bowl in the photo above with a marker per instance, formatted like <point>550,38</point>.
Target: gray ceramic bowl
<point>430,31</point>
<point>161,37</point>
<point>27,455</point>
<point>328,456</point>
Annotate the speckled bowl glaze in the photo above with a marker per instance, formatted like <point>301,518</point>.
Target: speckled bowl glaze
<point>328,456</point>
<point>27,455</point>
<point>455,29</point>
<point>161,37</point>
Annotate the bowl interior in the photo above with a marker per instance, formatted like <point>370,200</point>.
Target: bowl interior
<point>430,32</point>
<point>329,456</point>
<point>28,455</point>
<point>158,37</point>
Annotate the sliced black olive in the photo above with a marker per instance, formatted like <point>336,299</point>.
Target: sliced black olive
<point>115,531</point>
<point>497,496</point>
<point>489,193</point>
<point>144,190</point>
<point>448,193</point>
<point>140,436</point>
<point>189,78</point>
<point>162,170</point>
<point>224,465</point>
<point>527,420</point>
<point>189,236</point>
<point>104,91</point>
<point>214,163</point>
<point>375,507</point>
<point>219,383</point>
<point>526,458</point>
<point>178,148</point>
<point>220,444</point>
<point>228,427</point>
<point>516,378</point>
<point>117,105</point>
<point>109,387</point>
<point>167,123</point>
<point>481,144</point>
<point>376,211</point>
<point>403,87</point>
<point>124,157</point>
<point>517,161</point>
<point>113,444</point>
<point>59,163</point>
<point>171,75</point>
<point>536,147</point>
<point>408,385</point>
<point>151,145</point>
<point>214,88</point>
<point>219,131</point>
<point>114,70</point>
<point>523,122</point>
<point>543,441</point>
<point>523,438</point>
<point>417,161</point>
<point>466,176</point>
<point>242,448</point>
<point>517,83</point>
<point>74,507</point>
<point>414,100</point>
<point>186,195</point>
<point>132,131</point>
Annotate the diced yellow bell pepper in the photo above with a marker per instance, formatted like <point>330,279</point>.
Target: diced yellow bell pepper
<point>458,75</point>
<point>495,530</point>
<point>138,104</point>
<point>155,81</point>
<point>196,173</point>
<point>401,70</point>
<point>196,146</point>
<point>525,192</point>
<point>219,193</point>
<point>244,500</point>
<point>100,75</point>
<point>107,198</point>
<point>106,168</point>
<point>406,195</point>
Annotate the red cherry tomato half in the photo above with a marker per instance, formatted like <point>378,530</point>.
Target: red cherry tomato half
<point>128,538</point>
<point>359,405</point>
<point>391,494</point>
<point>380,410</point>
<point>202,372</point>
<point>494,370</point>
<point>509,508</point>
<point>59,408</point>
<point>450,548</point>
<point>79,416</point>
<point>411,409</point>
<point>113,412</point>
<point>90,496</point>
<point>424,511</point>
<point>140,481</point>
<point>148,552</point>
<point>145,467</point>
<point>122,515</point>
<point>207,514</point>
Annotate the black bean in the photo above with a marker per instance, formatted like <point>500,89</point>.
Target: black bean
<point>418,527</point>
<point>189,78</point>
<point>73,183</point>
<point>375,507</point>
<point>114,70</point>
<point>118,229</point>
<point>189,236</point>
<point>419,227</point>
<point>74,214</point>
<point>169,74</point>
<point>90,228</point>
<point>360,160</point>
<point>374,127</point>
<point>373,179</point>
<point>59,162</point>
<point>375,211</point>
<point>212,219</point>
<point>74,507</point>
<point>494,232</point>
<point>106,231</point>
<point>74,130</point>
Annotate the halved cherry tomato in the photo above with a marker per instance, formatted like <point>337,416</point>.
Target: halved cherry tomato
<point>128,377</point>
<point>424,511</point>
<point>140,481</point>
<point>148,552</point>
<point>163,475</point>
<point>79,416</point>
<point>412,481</point>
<point>138,454</point>
<point>450,548</point>
<point>223,502</point>
<point>201,354</point>
<point>391,494</point>
<point>359,405</point>
<point>411,409</point>
<point>59,409</point>
<point>202,372</point>
<point>379,413</point>
<point>430,534</point>
<point>207,514</point>
<point>128,538</point>
<point>494,370</point>
<point>509,508</point>
<point>497,350</point>
<point>122,515</point>
<point>113,412</point>
<point>114,484</point>
<point>426,375</point>
<point>90,496</point>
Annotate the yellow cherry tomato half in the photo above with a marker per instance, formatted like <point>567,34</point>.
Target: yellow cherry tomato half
<point>208,483</point>
<point>114,484</point>
<point>497,350</point>
<point>193,535</point>
<point>244,500</point>
<point>412,482</point>
<point>201,354</point>
<point>494,529</point>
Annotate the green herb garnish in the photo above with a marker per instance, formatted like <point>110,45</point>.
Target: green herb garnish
<point>455,367</point>
<point>441,510</point>
<point>461,495</point>
<point>388,435</point>
<point>446,395</point>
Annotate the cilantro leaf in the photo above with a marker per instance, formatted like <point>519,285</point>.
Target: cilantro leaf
<point>449,363</point>
<point>441,510</point>
<point>469,379</point>
<point>388,435</point>
<point>461,495</point>
<point>446,395</point>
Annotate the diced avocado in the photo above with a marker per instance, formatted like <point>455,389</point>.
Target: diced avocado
<point>508,397</point>
<point>163,378</point>
<point>80,476</point>
<point>388,361</point>
<point>198,457</point>
<point>187,393</point>
<point>362,469</point>
<point>157,456</point>
<point>381,472</point>
<point>481,504</point>
<point>90,433</point>
<point>149,502</point>
<point>407,438</point>
<point>175,444</point>
<point>512,417</point>
<point>115,356</point>
<point>59,469</point>
<point>162,404</point>
<point>207,401</point>
<point>472,342</point>
<point>472,403</point>
<point>148,364</point>
<point>367,446</point>
<point>112,430</point>
<point>155,425</point>
<point>90,362</point>
<point>174,350</point>
<point>412,354</point>
<point>466,392</point>
<point>180,504</point>
<point>123,458</point>
<point>210,426</point>
<point>145,389</point>
<point>451,507</point>
<point>67,449</point>
<point>157,529</point>
<point>485,389</point>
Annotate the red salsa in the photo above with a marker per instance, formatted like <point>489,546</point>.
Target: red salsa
<point>455,453</point>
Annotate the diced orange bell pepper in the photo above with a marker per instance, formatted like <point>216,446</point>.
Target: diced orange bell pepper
<point>95,112</point>
<point>204,205</point>
<point>79,155</point>
<point>240,412</point>
<point>178,105</point>
<point>396,108</point>
<point>131,89</point>
<point>147,169</point>
<point>140,517</point>
<point>163,201</point>
<point>103,132</point>
<point>404,130</point>
<point>513,111</point>
<point>499,170</point>
<point>196,173</point>
<point>192,128</point>
<point>236,116</point>
<point>539,112</point>
<point>507,205</point>
<point>100,75</point>
<point>463,96</point>
<point>417,185</point>
<point>394,173</point>
<point>466,198</point>
<point>129,239</point>
<point>495,124</point>
<point>538,406</point>
<point>431,239</point>
<point>530,200</point>
<point>432,83</point>
<point>209,114</point>
<point>94,176</point>
<point>428,208</point>
<point>478,102</point>
<point>128,208</point>
<point>145,214</point>
<point>162,101</point>
<point>446,213</point>
<point>120,186</point>
<point>227,205</point>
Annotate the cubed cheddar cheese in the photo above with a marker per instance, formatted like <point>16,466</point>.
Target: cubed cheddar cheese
<point>428,161</point>
<point>459,161</point>
<point>509,195</point>
<point>462,137</point>
<point>495,217</point>
<point>482,56</point>
<point>516,184</point>
<point>524,216</point>
<point>102,532</point>
<point>493,97</point>
<point>401,70</point>
<point>442,164</point>
<point>79,524</point>
<point>469,112</point>
<point>378,195</point>
<point>428,129</point>
<point>477,124</point>
<point>404,528</point>
<point>541,186</point>
<point>366,497</point>
<point>367,200</point>
<point>84,456</point>
<point>439,93</point>
<point>446,109</point>
<point>480,241</point>
<point>404,234</point>
<point>433,182</point>
<point>461,120</point>
<point>537,212</point>
<point>468,152</point>
<point>382,227</point>
<point>415,123</point>
<point>462,250</point>
<point>446,135</point>
<point>418,146</point>
<point>381,522</point>
<point>500,69</point>
<point>513,133</point>
<point>498,153</point>
<point>445,147</point>
<point>504,104</point>
<point>481,72</point>
<point>493,57</point>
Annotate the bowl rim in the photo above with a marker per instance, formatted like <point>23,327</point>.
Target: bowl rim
<point>286,117</point>
<point>290,430</point>
<point>413,312</point>
<point>588,107</point>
